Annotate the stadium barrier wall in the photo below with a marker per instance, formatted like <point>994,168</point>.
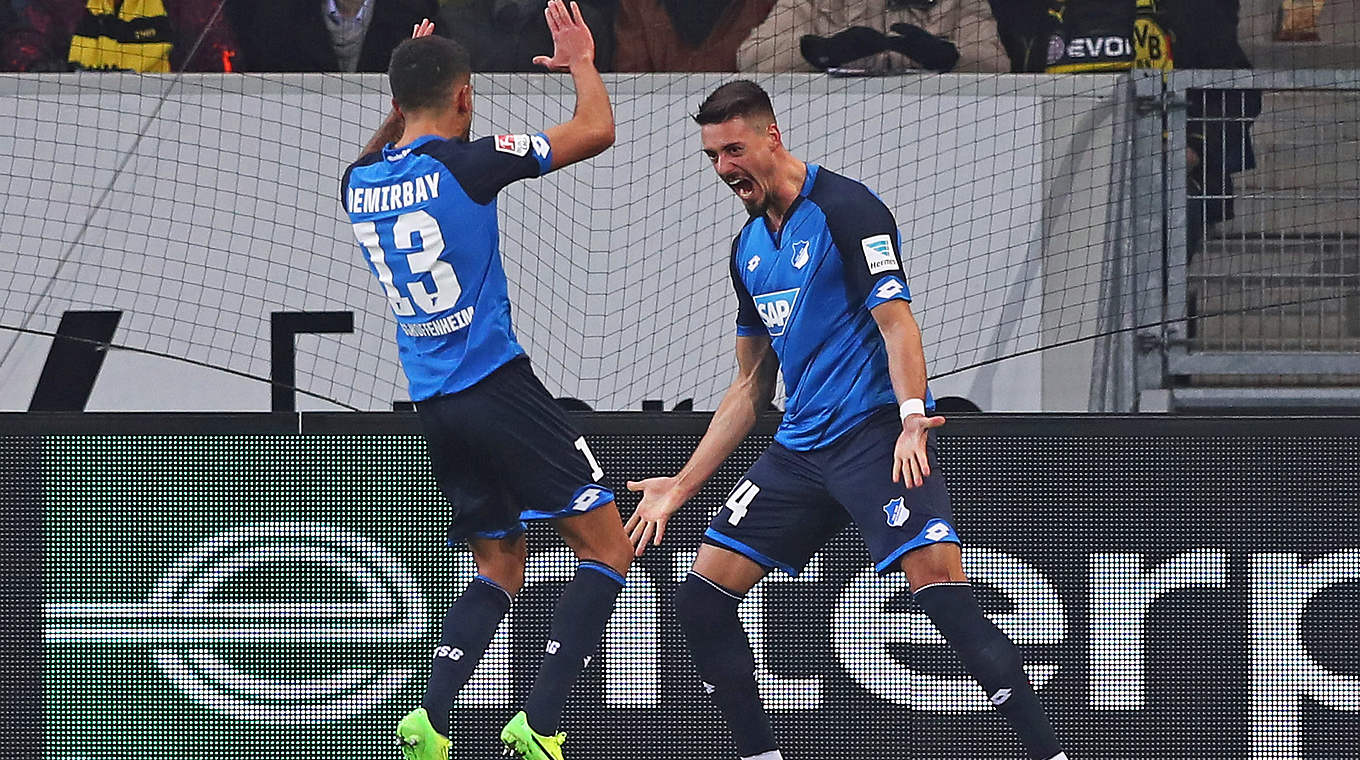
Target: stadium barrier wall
<point>196,586</point>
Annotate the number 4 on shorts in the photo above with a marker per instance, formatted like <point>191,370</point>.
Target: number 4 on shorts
<point>741,498</point>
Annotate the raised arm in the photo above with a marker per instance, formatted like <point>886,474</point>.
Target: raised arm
<point>390,130</point>
<point>907,369</point>
<point>749,394</point>
<point>591,127</point>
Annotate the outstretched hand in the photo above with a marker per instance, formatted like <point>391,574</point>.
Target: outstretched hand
<point>647,524</point>
<point>424,29</point>
<point>572,41</point>
<point>911,466</point>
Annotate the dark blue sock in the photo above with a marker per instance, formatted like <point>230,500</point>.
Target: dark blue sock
<point>992,660</point>
<point>582,612</point>
<point>707,614</point>
<point>468,627</point>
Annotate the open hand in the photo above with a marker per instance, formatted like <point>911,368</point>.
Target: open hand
<point>647,524</point>
<point>572,41</point>
<point>910,463</point>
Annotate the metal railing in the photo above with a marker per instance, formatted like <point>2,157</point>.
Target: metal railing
<point>1248,197</point>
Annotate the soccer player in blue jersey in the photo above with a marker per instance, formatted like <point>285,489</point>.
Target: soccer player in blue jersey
<point>823,296</point>
<point>422,200</point>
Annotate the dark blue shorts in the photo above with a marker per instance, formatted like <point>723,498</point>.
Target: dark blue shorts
<point>790,503</point>
<point>503,452</point>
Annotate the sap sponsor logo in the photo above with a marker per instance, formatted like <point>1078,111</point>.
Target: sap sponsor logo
<point>209,641</point>
<point>1099,47</point>
<point>801,254</point>
<point>452,653</point>
<point>540,146</point>
<point>753,263</point>
<point>897,512</point>
<point>878,254</point>
<point>776,308</point>
<point>517,145</point>
<point>938,530</point>
<point>890,289</point>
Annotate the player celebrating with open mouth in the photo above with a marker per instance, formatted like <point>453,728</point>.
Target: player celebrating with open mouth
<point>822,294</point>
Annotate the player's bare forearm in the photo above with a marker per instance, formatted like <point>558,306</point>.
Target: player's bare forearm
<point>591,127</point>
<point>906,354</point>
<point>749,395</point>
<point>389,132</point>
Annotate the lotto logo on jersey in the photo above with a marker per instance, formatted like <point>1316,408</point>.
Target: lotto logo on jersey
<point>878,254</point>
<point>514,144</point>
<point>540,146</point>
<point>775,309</point>
<point>891,288</point>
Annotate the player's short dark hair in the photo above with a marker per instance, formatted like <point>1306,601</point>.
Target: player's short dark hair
<point>424,71</point>
<point>742,98</point>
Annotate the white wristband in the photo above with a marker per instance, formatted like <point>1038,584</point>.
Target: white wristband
<point>912,406</point>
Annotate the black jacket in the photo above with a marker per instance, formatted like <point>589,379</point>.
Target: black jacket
<point>290,35</point>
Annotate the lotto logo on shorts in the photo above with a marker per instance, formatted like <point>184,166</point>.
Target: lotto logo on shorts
<point>776,308</point>
<point>588,498</point>
<point>938,530</point>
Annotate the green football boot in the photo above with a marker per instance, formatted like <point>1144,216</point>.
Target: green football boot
<point>418,739</point>
<point>524,742</point>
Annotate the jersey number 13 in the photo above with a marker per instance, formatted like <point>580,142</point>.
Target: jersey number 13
<point>417,236</point>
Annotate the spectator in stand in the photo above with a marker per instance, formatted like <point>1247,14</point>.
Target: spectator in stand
<point>814,35</point>
<point>324,35</point>
<point>685,35</point>
<point>119,35</point>
<point>506,35</point>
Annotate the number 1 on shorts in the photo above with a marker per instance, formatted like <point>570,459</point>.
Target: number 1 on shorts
<point>595,472</point>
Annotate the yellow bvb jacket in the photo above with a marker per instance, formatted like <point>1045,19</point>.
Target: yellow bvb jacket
<point>133,35</point>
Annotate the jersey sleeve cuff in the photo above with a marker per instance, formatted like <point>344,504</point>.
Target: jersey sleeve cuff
<point>541,150</point>
<point>888,288</point>
<point>745,331</point>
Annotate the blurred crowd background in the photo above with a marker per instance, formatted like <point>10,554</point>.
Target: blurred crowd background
<point>870,37</point>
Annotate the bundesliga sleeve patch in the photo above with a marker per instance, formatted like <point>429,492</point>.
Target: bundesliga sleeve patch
<point>878,254</point>
<point>517,145</point>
